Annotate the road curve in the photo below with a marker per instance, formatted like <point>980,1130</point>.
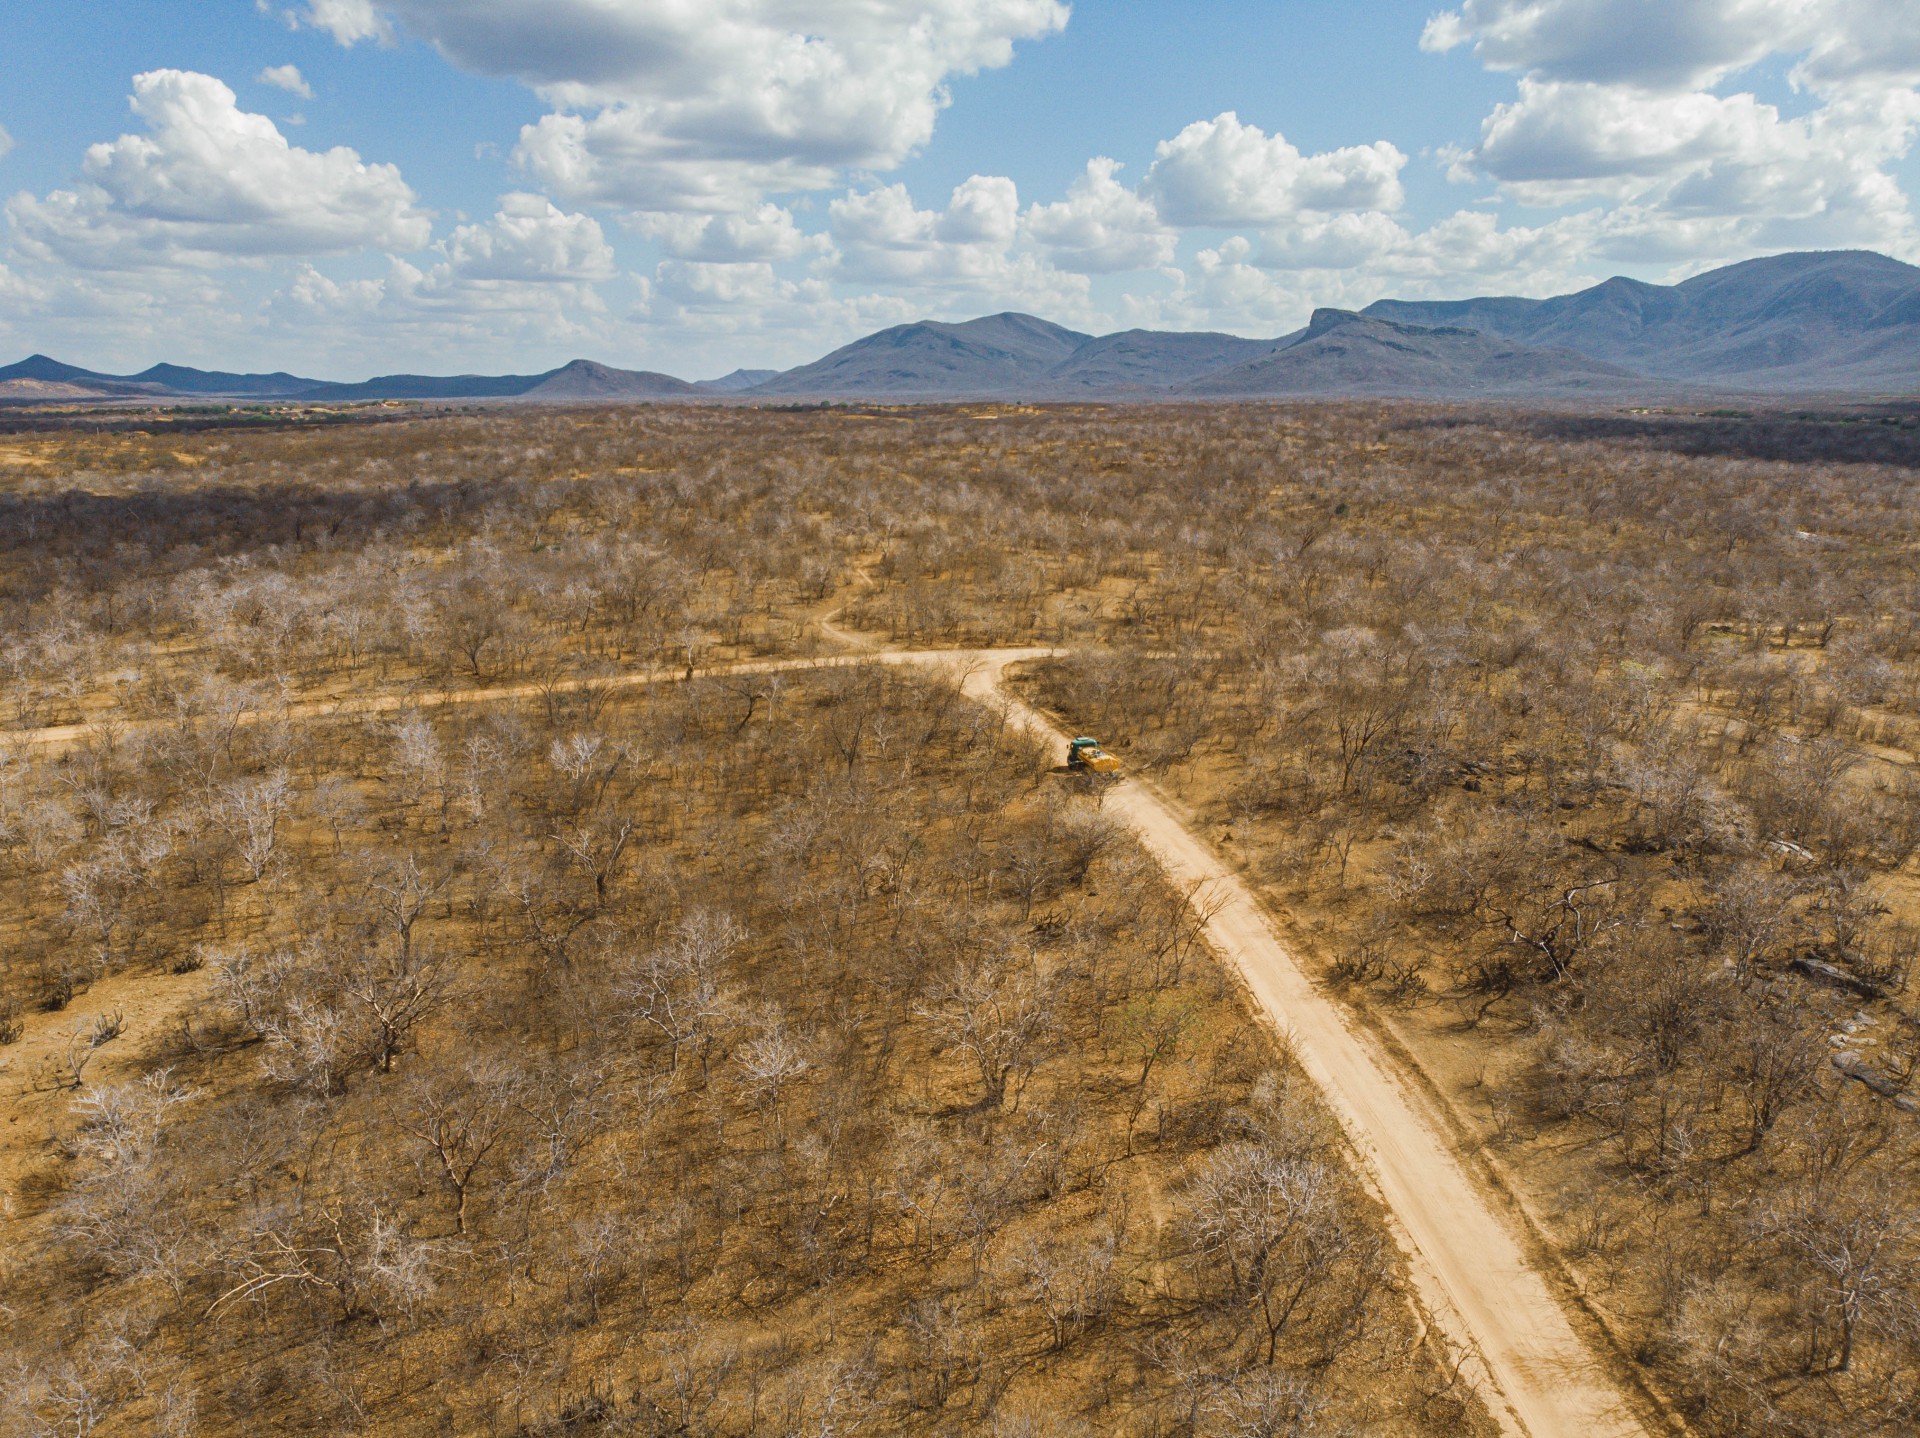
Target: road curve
<point>1467,1259</point>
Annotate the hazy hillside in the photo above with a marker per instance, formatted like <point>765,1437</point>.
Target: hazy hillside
<point>733,383</point>
<point>1822,321</point>
<point>183,380</point>
<point>583,379</point>
<point>1845,319</point>
<point>41,377</point>
<point>1151,360</point>
<point>1344,353</point>
<point>580,380</point>
<point>39,374</point>
<point>996,355</point>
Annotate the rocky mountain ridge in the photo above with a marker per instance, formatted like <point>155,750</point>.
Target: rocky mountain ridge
<point>1820,322</point>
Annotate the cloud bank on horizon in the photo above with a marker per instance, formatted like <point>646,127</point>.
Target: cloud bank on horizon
<point>715,183</point>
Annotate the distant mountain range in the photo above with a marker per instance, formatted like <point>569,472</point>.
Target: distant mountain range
<point>1834,322</point>
<point>38,377</point>
<point>1837,320</point>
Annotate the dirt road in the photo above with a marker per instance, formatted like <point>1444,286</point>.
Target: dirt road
<point>59,737</point>
<point>1467,1258</point>
<point>1468,1262</point>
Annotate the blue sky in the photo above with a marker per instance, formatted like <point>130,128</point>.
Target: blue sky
<point>347,186</point>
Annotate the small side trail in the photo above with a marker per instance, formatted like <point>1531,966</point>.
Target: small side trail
<point>1466,1253</point>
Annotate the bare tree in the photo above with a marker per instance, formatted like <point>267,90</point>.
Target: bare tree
<point>597,848</point>
<point>125,1209</point>
<point>401,893</point>
<point>1263,1403</point>
<point>82,1045</point>
<point>999,1015</point>
<point>421,766</point>
<point>1286,1251</point>
<point>459,1121</point>
<point>355,1254</point>
<point>770,1062</point>
<point>1856,1245</point>
<point>394,992</point>
<point>677,991</point>
<point>1150,1031</point>
<point>251,811</point>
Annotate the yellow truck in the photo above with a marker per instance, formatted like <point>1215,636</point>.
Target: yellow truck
<point>1085,756</point>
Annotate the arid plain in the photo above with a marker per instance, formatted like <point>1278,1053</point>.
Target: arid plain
<point>550,921</point>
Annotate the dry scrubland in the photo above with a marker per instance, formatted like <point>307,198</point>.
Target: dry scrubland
<point>792,1054</point>
<point>774,1053</point>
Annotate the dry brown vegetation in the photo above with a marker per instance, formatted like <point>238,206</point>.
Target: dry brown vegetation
<point>787,1054</point>
<point>1587,769</point>
<point>759,1053</point>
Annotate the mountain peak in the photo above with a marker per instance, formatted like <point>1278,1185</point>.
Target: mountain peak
<point>1018,322</point>
<point>739,380</point>
<point>45,367</point>
<point>1327,320</point>
<point>1832,319</point>
<point>589,379</point>
<point>1008,354</point>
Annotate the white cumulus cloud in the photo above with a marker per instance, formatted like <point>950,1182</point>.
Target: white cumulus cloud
<point>1685,44</point>
<point>1623,103</point>
<point>1349,261</point>
<point>710,107</point>
<point>1679,43</point>
<point>288,78</point>
<point>971,256</point>
<point>211,182</point>
<point>530,240</point>
<point>764,235</point>
<point>425,319</point>
<point>622,156</point>
<point>1332,242</point>
<point>6,142</point>
<point>348,21</point>
<point>1226,174</point>
<point>1569,133</point>
<point>1862,42</point>
<point>1101,227</point>
<point>881,236</point>
<point>711,286</point>
<point>757,315</point>
<point>529,272</point>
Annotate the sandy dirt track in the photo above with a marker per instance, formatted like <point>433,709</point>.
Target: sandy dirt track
<point>1468,1262</point>
<point>351,706</point>
<point>1467,1258</point>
